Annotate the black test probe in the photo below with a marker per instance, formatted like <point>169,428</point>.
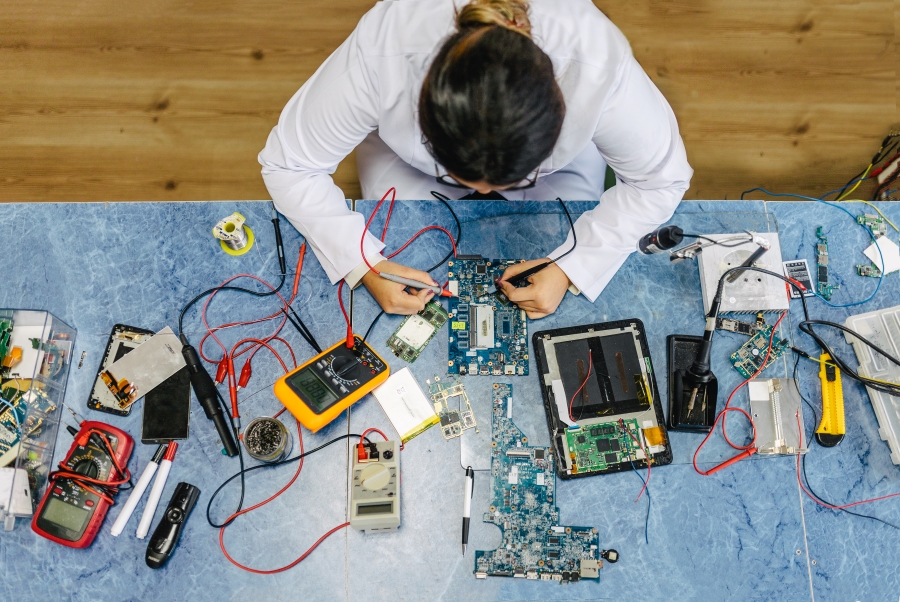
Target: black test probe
<point>201,381</point>
<point>521,277</point>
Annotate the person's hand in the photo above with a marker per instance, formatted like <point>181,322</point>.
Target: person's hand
<point>392,297</point>
<point>543,295</point>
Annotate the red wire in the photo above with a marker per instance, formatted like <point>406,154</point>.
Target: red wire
<point>372,430</point>
<point>817,500</point>
<point>722,414</point>
<point>572,401</point>
<point>646,453</point>
<point>83,481</point>
<point>210,331</point>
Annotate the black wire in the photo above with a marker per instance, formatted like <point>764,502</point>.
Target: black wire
<point>803,459</point>
<point>700,236</point>
<point>571,229</point>
<point>372,325</point>
<point>302,328</point>
<point>244,471</point>
<point>275,223</point>
<point>241,459</point>
<point>806,327</point>
<point>442,198</point>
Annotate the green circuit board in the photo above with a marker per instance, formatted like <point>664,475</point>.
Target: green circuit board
<point>597,446</point>
<point>24,418</point>
<point>416,331</point>
<point>873,222</point>
<point>748,359</point>
<point>523,488</point>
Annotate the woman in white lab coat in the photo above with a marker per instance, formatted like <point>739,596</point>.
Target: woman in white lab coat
<point>528,100</point>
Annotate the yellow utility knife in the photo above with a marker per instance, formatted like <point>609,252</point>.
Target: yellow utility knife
<point>831,430</point>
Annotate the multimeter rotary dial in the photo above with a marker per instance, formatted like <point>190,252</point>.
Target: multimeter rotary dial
<point>345,368</point>
<point>87,466</point>
<point>374,477</point>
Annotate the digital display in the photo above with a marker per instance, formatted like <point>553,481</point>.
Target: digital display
<point>65,515</point>
<point>313,390</point>
<point>364,509</point>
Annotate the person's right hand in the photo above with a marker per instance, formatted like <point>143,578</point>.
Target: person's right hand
<point>392,297</point>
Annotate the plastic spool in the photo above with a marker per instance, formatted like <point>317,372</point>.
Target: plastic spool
<point>267,439</point>
<point>235,237</point>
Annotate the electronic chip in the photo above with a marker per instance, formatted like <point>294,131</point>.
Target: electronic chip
<point>417,330</point>
<point>489,332</point>
<point>603,445</point>
<point>534,545</point>
<point>610,458</point>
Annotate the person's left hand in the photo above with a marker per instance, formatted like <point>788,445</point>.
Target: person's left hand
<point>543,295</point>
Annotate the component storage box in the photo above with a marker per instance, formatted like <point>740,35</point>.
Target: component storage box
<point>35,355</point>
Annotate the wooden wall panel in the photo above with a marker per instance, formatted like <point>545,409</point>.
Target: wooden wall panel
<point>172,100</point>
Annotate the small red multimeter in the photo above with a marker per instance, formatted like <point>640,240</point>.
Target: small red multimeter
<point>71,512</point>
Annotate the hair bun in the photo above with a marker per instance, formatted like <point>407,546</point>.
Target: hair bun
<point>509,14</point>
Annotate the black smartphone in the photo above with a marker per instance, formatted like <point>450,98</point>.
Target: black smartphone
<point>167,409</point>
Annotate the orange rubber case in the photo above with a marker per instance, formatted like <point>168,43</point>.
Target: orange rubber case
<point>301,410</point>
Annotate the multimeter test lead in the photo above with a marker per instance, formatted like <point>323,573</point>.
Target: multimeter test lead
<point>416,284</point>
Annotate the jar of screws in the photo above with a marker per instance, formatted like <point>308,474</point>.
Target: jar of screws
<point>267,439</point>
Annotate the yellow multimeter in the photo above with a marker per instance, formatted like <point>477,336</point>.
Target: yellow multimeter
<point>318,391</point>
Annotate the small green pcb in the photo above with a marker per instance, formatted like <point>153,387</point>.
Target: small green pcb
<point>873,222</point>
<point>594,447</point>
<point>748,359</point>
<point>869,271</point>
<point>416,331</point>
<point>824,289</point>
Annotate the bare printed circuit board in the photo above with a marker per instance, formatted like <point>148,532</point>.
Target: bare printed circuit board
<point>488,333</point>
<point>523,482</point>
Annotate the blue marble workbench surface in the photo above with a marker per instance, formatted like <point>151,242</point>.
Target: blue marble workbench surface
<point>745,533</point>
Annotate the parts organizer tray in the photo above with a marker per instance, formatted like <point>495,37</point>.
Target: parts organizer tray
<point>616,419</point>
<point>882,328</point>
<point>33,381</point>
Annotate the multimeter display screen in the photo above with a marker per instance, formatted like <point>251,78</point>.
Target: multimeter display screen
<point>65,515</point>
<point>315,392</point>
<point>364,509</point>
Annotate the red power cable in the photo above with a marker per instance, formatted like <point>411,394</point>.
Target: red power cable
<point>572,401</point>
<point>393,192</point>
<point>746,450</point>
<point>817,500</point>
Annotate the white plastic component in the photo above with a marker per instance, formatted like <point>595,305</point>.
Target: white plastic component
<point>562,404</point>
<point>752,291</point>
<point>375,490</point>
<point>415,331</point>
<point>881,328</point>
<point>14,490</point>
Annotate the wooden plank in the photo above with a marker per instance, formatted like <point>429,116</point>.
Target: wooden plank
<point>167,100</point>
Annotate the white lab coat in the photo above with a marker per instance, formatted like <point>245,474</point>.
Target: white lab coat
<point>372,81</point>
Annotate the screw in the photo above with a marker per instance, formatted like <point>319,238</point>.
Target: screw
<point>815,562</point>
<point>799,552</point>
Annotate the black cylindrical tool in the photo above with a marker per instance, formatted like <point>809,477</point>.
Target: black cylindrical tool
<point>661,239</point>
<point>205,390</point>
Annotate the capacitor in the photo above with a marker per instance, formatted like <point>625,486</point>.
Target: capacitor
<point>661,239</point>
